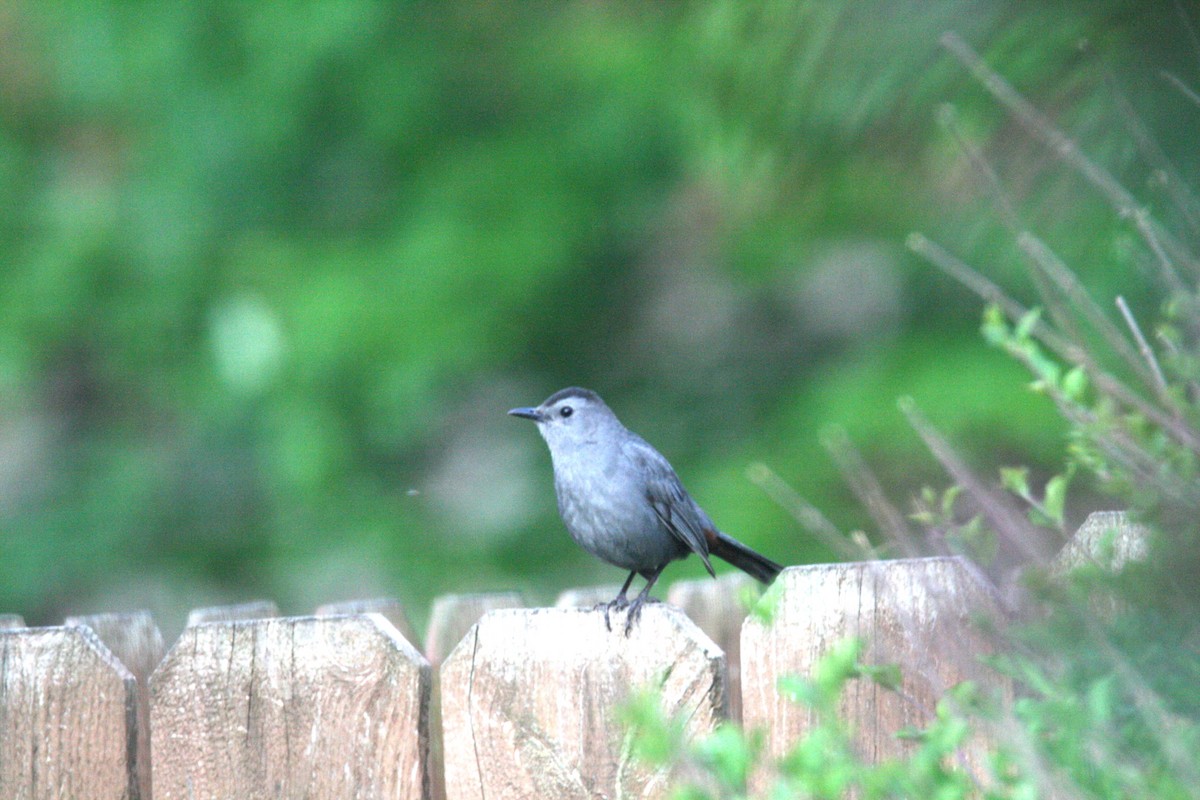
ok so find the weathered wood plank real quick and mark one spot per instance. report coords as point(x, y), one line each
point(450, 618)
point(68, 724)
point(321, 707)
point(531, 698)
point(137, 643)
point(915, 613)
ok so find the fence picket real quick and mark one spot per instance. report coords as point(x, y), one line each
point(452, 615)
point(138, 644)
point(329, 707)
point(531, 699)
point(67, 717)
point(916, 613)
point(1109, 539)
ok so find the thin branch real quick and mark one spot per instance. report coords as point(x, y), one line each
point(1184, 18)
point(1062, 145)
point(1173, 349)
point(805, 513)
point(1038, 124)
point(987, 291)
point(1046, 260)
point(1159, 721)
point(948, 117)
point(1063, 348)
point(1176, 188)
point(1145, 226)
point(1180, 431)
point(1008, 523)
point(1160, 382)
point(869, 491)
point(1184, 89)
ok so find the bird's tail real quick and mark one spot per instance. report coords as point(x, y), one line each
point(754, 564)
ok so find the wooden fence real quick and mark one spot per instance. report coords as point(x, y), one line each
point(502, 702)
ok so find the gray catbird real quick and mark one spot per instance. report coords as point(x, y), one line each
point(622, 502)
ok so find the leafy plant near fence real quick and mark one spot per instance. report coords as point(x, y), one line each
point(1105, 662)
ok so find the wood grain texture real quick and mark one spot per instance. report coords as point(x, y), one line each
point(67, 717)
point(916, 613)
point(716, 606)
point(255, 609)
point(307, 707)
point(531, 699)
point(391, 609)
point(450, 618)
point(452, 615)
point(137, 643)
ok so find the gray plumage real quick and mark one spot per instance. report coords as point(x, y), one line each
point(620, 499)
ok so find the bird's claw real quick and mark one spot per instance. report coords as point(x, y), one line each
point(620, 602)
point(635, 612)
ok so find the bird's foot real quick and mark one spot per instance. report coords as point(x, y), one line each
point(619, 602)
point(635, 611)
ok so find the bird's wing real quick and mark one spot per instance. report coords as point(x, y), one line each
point(672, 504)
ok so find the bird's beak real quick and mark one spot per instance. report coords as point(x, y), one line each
point(527, 413)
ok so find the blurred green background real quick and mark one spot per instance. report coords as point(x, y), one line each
point(273, 272)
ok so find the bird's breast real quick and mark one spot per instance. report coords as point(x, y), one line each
point(606, 511)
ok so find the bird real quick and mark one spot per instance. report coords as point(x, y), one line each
point(621, 500)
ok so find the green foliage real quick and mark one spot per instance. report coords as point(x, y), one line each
point(824, 763)
point(1085, 729)
point(1104, 660)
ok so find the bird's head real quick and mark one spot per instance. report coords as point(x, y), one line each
point(571, 416)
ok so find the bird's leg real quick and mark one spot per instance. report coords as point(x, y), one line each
point(635, 608)
point(618, 602)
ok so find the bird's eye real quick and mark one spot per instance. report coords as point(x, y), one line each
point(566, 412)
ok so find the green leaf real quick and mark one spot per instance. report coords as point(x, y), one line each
point(1101, 699)
point(948, 500)
point(1027, 323)
point(765, 607)
point(798, 690)
point(995, 326)
point(1075, 384)
point(1015, 480)
point(1056, 497)
point(728, 753)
